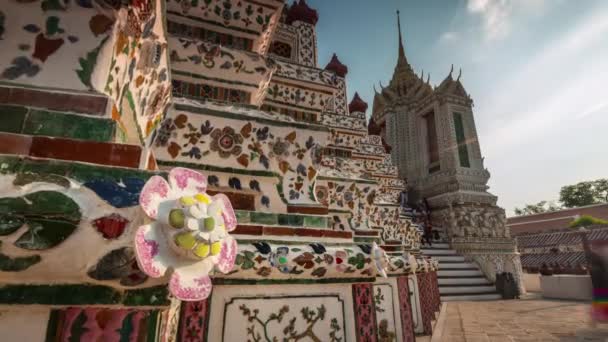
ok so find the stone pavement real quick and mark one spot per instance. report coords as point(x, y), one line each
point(519, 320)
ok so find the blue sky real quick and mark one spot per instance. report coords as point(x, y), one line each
point(536, 69)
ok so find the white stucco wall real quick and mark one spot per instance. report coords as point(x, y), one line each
point(23, 324)
point(565, 286)
point(531, 282)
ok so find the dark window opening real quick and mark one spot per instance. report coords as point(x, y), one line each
point(208, 92)
point(432, 144)
point(200, 33)
point(295, 114)
point(463, 152)
point(281, 49)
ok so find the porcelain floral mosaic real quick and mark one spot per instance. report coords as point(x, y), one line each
point(189, 233)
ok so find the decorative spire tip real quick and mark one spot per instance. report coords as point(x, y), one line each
point(401, 49)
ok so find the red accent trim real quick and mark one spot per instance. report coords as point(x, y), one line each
point(357, 104)
point(299, 11)
point(365, 313)
point(67, 149)
point(405, 310)
point(194, 321)
point(336, 66)
point(316, 210)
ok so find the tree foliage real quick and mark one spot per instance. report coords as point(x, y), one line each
point(538, 208)
point(586, 221)
point(584, 193)
point(571, 196)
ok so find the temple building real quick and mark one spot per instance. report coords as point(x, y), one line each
point(181, 170)
point(431, 134)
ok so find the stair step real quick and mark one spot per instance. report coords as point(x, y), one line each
point(463, 281)
point(458, 273)
point(466, 289)
point(438, 246)
point(451, 298)
point(457, 265)
point(428, 249)
point(466, 285)
point(451, 268)
point(432, 252)
point(450, 262)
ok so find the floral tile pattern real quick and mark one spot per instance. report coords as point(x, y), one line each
point(312, 261)
point(286, 152)
point(285, 318)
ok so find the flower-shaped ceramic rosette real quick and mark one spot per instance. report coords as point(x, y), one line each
point(188, 234)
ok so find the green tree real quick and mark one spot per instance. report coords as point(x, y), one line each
point(586, 221)
point(584, 193)
point(538, 208)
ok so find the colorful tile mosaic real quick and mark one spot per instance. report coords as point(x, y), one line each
point(407, 325)
point(99, 324)
point(193, 324)
point(365, 315)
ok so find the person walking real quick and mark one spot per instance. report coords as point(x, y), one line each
point(428, 233)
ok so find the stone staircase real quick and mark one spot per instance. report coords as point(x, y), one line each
point(458, 279)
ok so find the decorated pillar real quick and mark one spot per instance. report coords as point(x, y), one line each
point(405, 310)
point(365, 316)
point(426, 301)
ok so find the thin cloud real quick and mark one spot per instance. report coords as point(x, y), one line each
point(449, 37)
point(572, 91)
point(497, 15)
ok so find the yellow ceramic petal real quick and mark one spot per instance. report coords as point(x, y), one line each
point(216, 248)
point(177, 218)
point(187, 200)
point(185, 240)
point(202, 198)
point(202, 250)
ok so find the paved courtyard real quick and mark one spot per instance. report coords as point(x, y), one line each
point(519, 320)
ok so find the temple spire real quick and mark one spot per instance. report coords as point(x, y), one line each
point(403, 69)
point(401, 49)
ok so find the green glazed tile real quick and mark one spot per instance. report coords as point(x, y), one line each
point(242, 216)
point(58, 294)
point(8, 264)
point(283, 219)
point(81, 294)
point(296, 220)
point(11, 118)
point(315, 221)
point(154, 296)
point(9, 164)
point(264, 218)
point(55, 124)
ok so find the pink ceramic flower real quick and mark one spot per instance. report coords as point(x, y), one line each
point(189, 233)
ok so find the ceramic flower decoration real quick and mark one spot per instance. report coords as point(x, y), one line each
point(380, 259)
point(188, 234)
